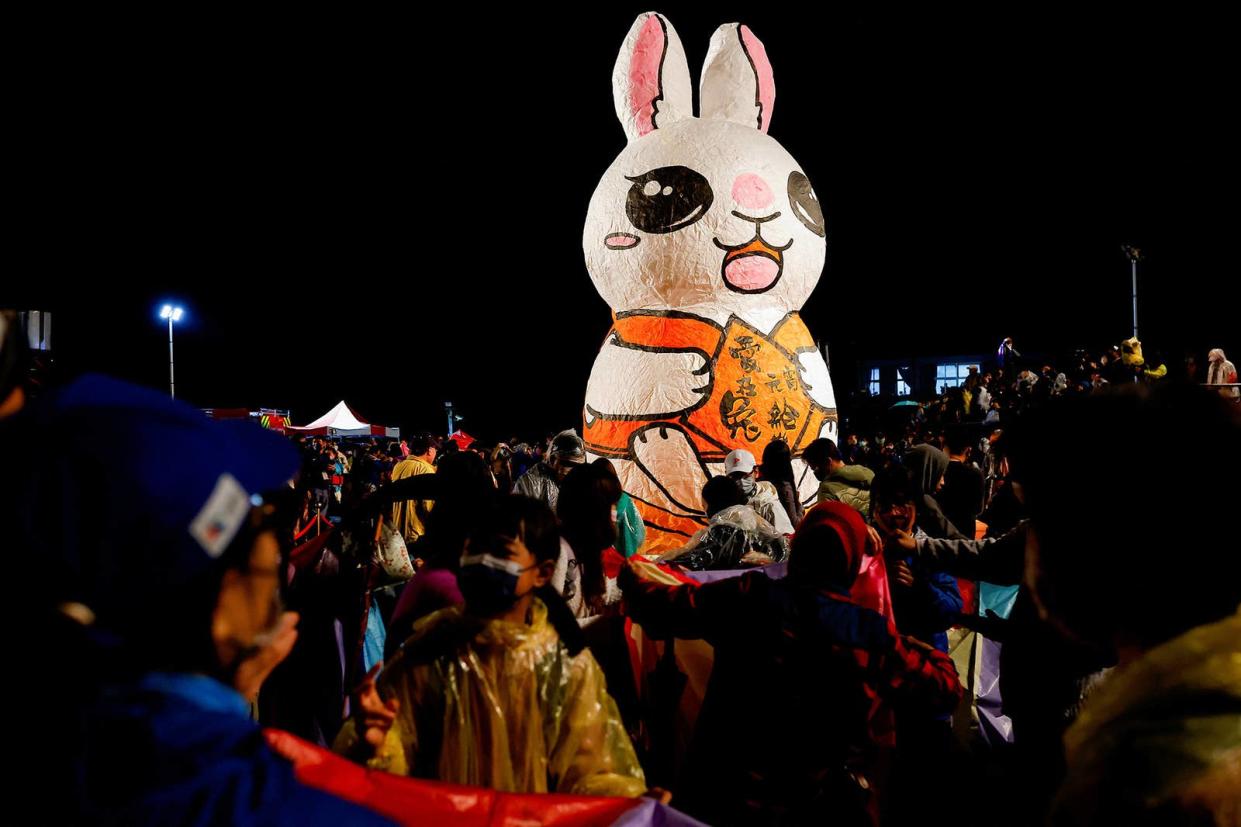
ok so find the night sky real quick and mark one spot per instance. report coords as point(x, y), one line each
point(388, 209)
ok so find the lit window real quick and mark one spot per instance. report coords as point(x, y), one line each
point(951, 376)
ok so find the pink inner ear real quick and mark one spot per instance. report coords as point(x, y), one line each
point(644, 81)
point(766, 80)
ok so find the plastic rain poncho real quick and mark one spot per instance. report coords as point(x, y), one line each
point(734, 537)
point(1158, 741)
point(502, 705)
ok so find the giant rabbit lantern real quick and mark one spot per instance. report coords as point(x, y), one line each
point(705, 237)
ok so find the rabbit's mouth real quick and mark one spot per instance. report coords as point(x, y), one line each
point(753, 267)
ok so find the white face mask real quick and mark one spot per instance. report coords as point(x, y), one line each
point(748, 485)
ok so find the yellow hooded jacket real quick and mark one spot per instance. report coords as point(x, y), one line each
point(502, 705)
point(407, 515)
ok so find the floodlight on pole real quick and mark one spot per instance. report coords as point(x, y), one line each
point(172, 313)
point(1134, 255)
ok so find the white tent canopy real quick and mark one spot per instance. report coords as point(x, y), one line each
point(340, 421)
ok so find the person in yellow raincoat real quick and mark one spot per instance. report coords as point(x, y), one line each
point(500, 693)
point(1161, 736)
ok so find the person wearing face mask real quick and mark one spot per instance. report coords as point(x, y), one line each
point(501, 692)
point(740, 466)
point(152, 532)
point(735, 535)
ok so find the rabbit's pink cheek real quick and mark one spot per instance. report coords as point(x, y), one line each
point(621, 241)
point(752, 193)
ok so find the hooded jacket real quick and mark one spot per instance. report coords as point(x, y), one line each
point(927, 464)
point(849, 484)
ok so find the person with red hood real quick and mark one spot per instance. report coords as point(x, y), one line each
point(800, 670)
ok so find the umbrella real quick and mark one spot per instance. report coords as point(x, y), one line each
point(906, 403)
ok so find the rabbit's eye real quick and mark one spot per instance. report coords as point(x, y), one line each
point(805, 203)
point(667, 199)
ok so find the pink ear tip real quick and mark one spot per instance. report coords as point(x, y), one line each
point(762, 69)
point(644, 66)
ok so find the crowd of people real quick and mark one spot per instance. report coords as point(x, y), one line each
point(443, 610)
point(1012, 383)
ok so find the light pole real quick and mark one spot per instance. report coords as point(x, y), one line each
point(1134, 255)
point(453, 419)
point(172, 314)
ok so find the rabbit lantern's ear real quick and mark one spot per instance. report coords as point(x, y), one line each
point(650, 82)
point(737, 83)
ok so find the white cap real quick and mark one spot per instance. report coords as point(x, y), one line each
point(739, 460)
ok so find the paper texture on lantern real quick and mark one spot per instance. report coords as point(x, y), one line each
point(705, 237)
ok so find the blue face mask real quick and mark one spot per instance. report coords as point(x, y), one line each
point(489, 583)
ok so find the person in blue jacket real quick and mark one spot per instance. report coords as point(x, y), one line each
point(148, 537)
point(926, 601)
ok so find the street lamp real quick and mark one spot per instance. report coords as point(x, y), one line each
point(1134, 255)
point(172, 314)
point(453, 419)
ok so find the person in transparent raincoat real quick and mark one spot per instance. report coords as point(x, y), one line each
point(499, 693)
point(735, 535)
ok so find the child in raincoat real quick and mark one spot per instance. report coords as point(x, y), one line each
point(499, 693)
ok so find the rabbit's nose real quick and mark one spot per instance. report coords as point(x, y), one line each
point(751, 191)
